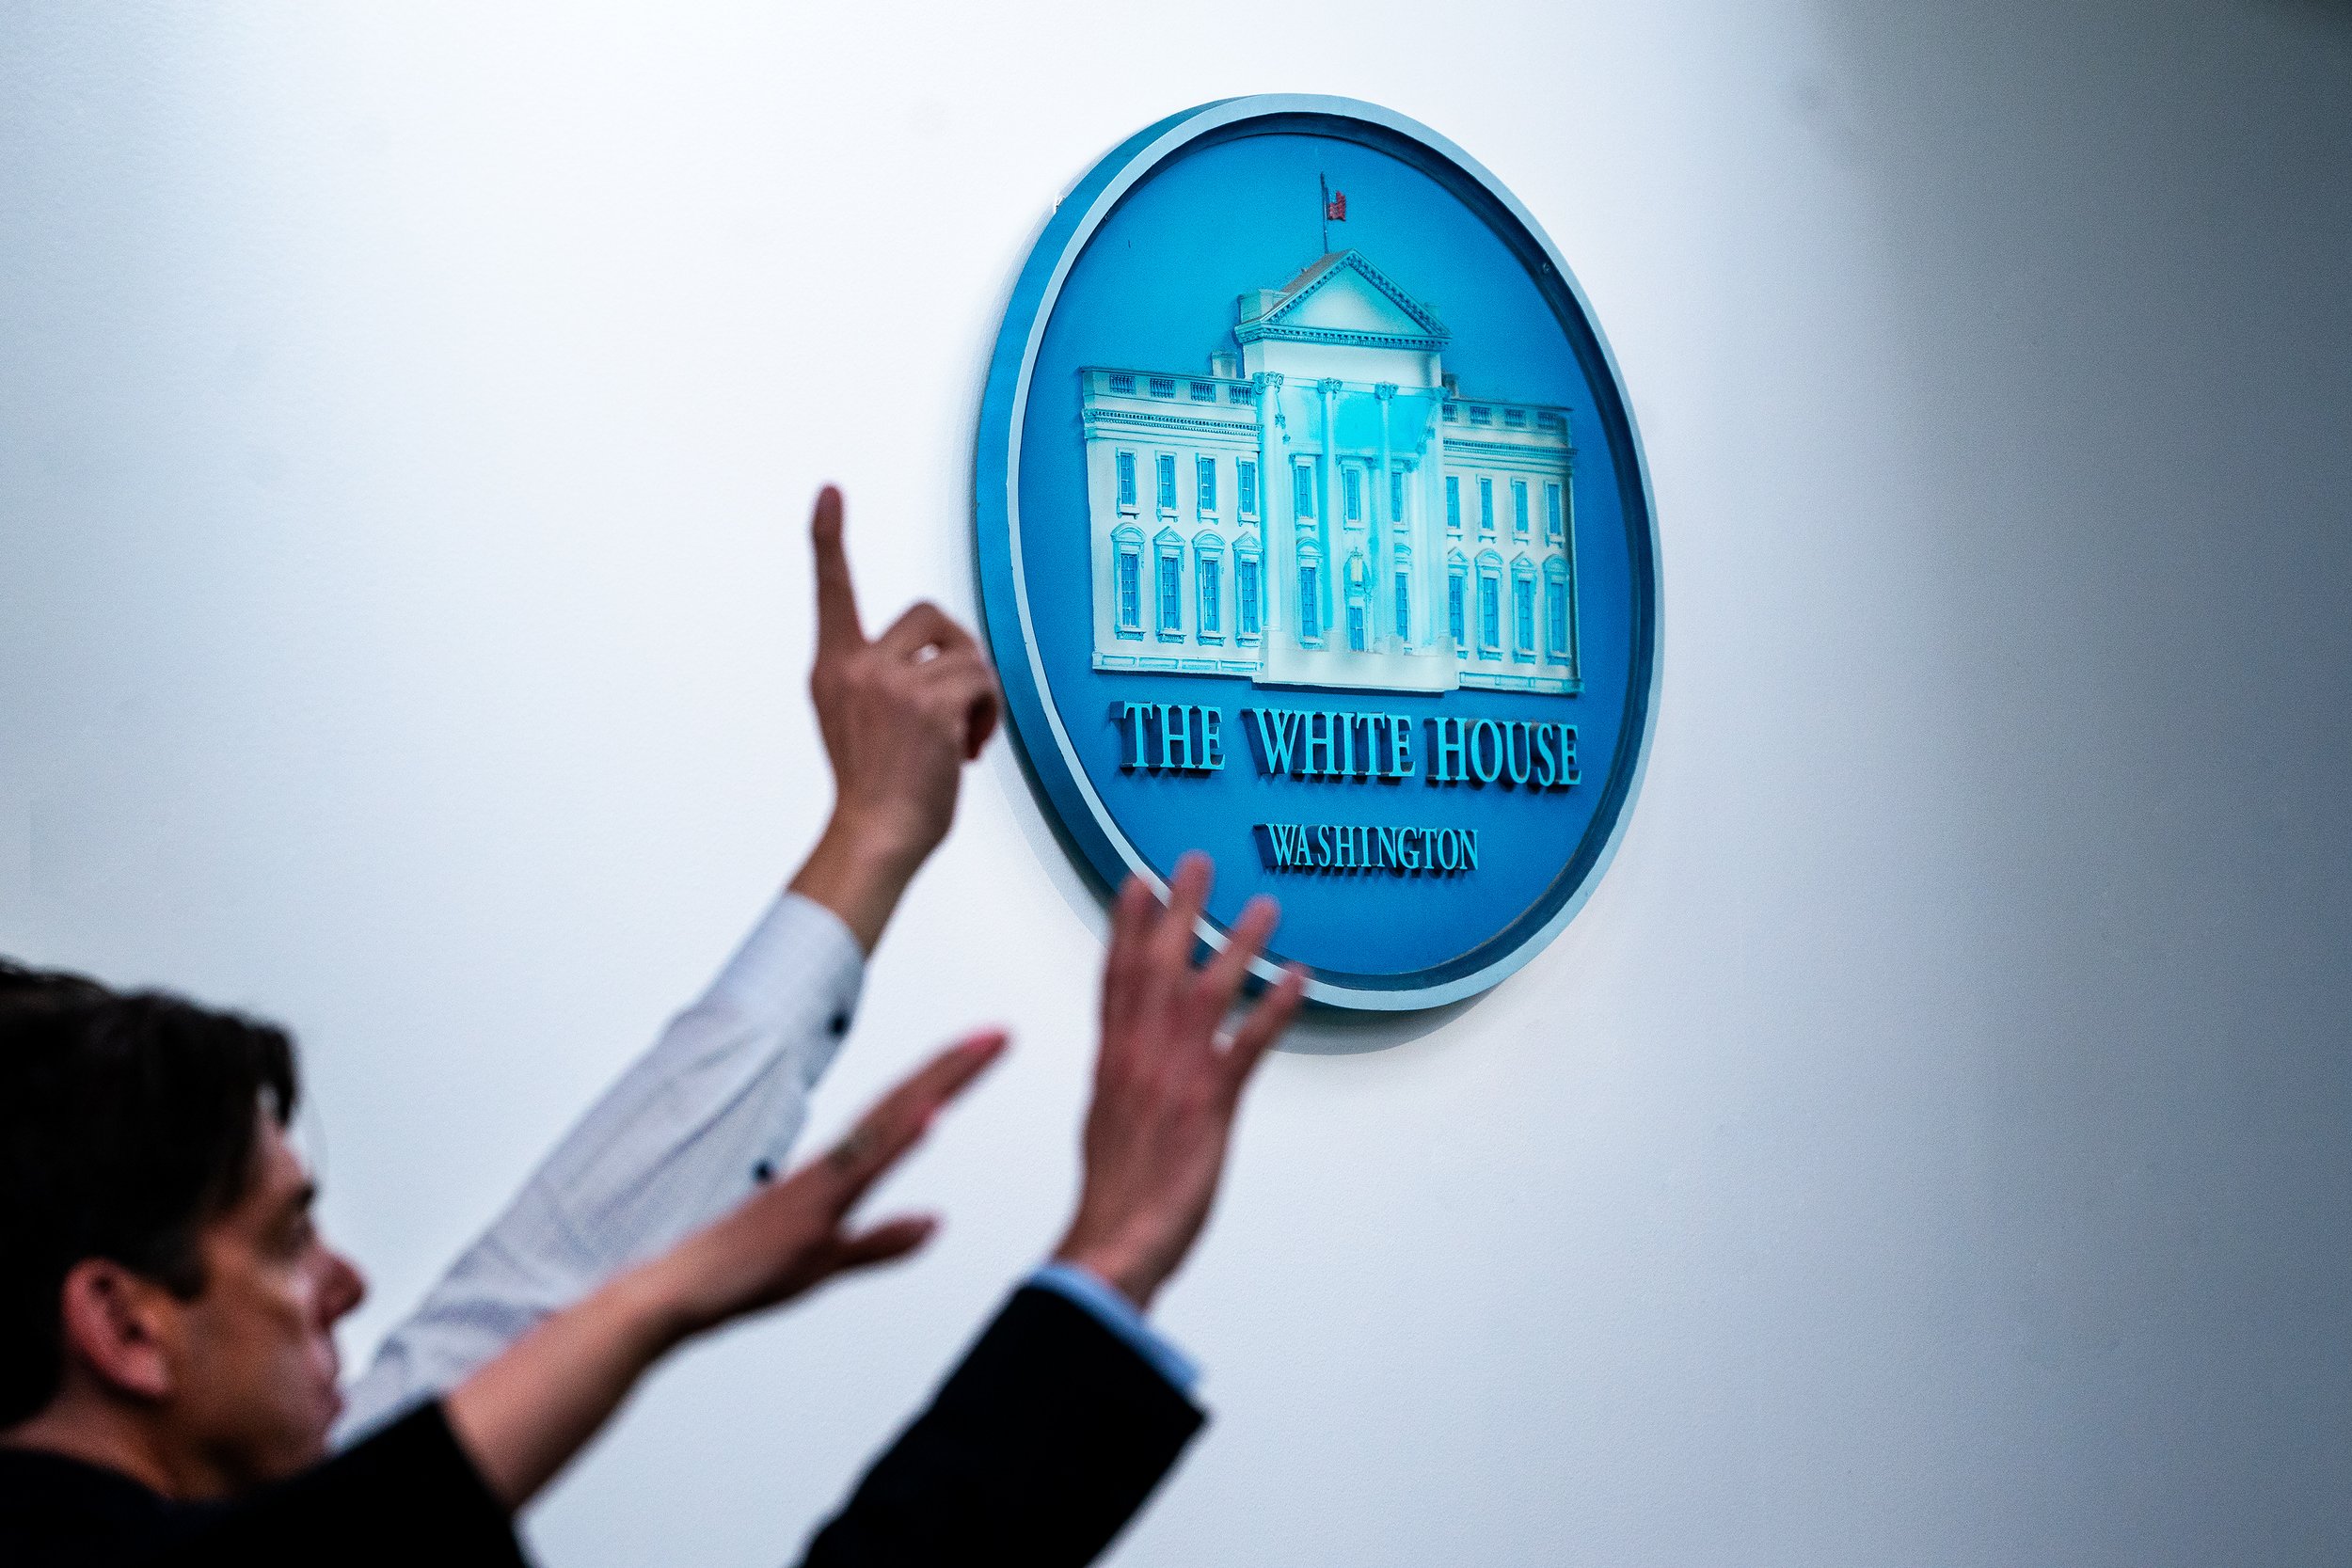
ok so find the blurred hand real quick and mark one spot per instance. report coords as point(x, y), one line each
point(526, 1412)
point(794, 1235)
point(901, 714)
point(1169, 1081)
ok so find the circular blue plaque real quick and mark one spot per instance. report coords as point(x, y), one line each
point(1314, 534)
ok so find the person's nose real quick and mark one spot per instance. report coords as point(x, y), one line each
point(346, 1288)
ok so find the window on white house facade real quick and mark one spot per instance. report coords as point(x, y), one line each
point(1310, 597)
point(1172, 586)
point(1129, 569)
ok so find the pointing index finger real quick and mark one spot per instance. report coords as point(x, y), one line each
point(838, 628)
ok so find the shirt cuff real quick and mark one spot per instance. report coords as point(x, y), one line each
point(801, 959)
point(1083, 1288)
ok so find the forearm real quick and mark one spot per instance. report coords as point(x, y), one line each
point(1040, 1445)
point(522, 1418)
point(687, 1132)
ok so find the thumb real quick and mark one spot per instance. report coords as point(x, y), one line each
point(881, 1244)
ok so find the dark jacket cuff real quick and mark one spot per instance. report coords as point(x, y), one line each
point(1037, 1450)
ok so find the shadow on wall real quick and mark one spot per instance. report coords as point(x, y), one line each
point(2133, 219)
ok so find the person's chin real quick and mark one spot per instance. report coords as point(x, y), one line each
point(308, 1445)
point(331, 1406)
point(301, 1456)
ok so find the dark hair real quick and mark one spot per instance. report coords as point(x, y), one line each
point(126, 1125)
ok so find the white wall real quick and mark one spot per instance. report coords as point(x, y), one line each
point(1928, 1147)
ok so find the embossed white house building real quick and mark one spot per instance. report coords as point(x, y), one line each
point(1328, 509)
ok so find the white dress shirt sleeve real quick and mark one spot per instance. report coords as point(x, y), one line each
point(686, 1134)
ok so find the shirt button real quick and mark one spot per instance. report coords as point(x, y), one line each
point(839, 1024)
point(764, 1172)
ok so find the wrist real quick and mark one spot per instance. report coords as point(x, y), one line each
point(884, 841)
point(1129, 1270)
point(653, 1307)
point(858, 870)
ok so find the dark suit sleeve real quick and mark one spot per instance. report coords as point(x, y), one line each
point(1037, 1451)
point(407, 1496)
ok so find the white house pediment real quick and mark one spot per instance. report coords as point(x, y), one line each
point(1346, 297)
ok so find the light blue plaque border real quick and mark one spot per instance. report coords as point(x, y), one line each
point(1079, 812)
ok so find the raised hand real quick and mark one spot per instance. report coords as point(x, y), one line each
point(794, 1235)
point(900, 714)
point(526, 1413)
point(1169, 1079)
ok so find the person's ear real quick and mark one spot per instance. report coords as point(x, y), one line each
point(122, 1327)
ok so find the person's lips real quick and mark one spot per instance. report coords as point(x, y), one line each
point(331, 1369)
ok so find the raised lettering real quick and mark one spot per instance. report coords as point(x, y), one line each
point(1175, 736)
point(1278, 736)
point(1319, 738)
point(1487, 731)
point(1445, 751)
point(1129, 716)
